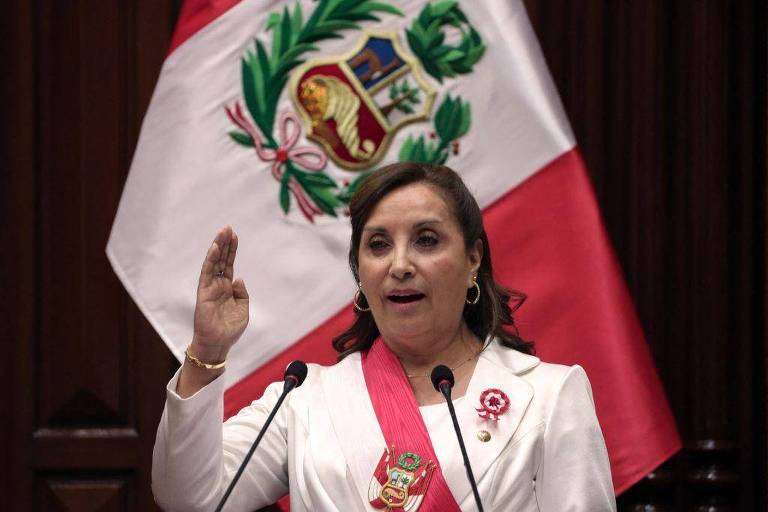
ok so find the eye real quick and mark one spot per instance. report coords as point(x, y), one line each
point(427, 239)
point(377, 243)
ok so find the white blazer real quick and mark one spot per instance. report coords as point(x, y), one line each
point(546, 453)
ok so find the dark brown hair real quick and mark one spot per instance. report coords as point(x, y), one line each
point(491, 313)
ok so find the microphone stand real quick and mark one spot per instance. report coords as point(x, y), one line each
point(444, 385)
point(291, 381)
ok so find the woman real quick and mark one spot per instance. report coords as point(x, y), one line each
point(371, 432)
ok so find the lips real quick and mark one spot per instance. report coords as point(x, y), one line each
point(405, 296)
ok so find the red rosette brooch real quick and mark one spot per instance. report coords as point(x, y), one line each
point(493, 403)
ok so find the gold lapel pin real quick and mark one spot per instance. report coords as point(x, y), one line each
point(484, 436)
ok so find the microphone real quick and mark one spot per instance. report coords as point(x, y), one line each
point(442, 380)
point(293, 377)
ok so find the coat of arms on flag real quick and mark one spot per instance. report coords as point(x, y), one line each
point(351, 104)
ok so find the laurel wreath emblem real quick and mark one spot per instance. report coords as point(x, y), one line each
point(426, 38)
point(414, 459)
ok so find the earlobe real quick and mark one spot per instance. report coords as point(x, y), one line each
point(476, 257)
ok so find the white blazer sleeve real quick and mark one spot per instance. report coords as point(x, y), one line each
point(574, 474)
point(196, 456)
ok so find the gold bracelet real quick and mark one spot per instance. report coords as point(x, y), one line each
point(207, 366)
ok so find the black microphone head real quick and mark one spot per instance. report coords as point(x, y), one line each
point(440, 375)
point(296, 371)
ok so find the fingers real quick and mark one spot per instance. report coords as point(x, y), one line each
point(229, 269)
point(239, 291)
point(226, 241)
point(216, 258)
point(223, 239)
point(209, 265)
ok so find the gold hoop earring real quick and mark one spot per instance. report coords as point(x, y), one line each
point(477, 297)
point(358, 293)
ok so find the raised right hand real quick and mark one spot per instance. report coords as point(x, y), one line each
point(221, 310)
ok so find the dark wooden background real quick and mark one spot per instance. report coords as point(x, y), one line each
point(668, 102)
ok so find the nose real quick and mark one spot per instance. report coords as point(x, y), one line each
point(401, 267)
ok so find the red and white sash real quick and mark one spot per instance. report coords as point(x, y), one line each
point(401, 422)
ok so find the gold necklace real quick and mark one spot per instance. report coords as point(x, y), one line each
point(452, 368)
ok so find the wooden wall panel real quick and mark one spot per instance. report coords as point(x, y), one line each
point(667, 100)
point(17, 212)
point(82, 120)
point(86, 495)
point(87, 370)
point(668, 103)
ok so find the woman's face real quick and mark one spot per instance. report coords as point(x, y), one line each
point(413, 264)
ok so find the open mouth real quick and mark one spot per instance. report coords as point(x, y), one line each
point(405, 299)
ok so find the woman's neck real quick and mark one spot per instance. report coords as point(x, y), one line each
point(419, 357)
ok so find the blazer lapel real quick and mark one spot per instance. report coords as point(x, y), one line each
point(354, 421)
point(496, 368)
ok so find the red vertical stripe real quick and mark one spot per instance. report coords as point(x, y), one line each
point(548, 240)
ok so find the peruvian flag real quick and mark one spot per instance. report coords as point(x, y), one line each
point(267, 112)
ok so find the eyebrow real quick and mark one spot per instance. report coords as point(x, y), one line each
point(381, 229)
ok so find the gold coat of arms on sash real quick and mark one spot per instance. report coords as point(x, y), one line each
point(399, 485)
